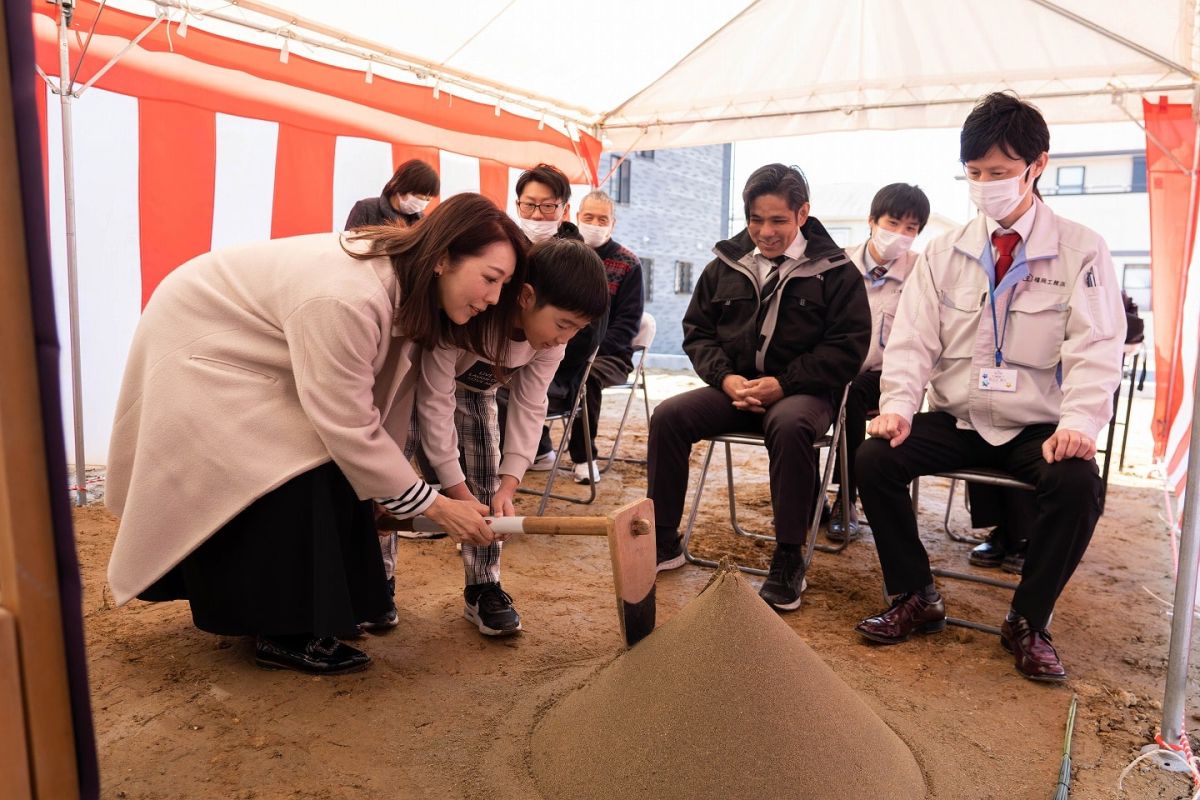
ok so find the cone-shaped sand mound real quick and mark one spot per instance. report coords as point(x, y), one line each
point(724, 701)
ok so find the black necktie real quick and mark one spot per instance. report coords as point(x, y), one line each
point(772, 282)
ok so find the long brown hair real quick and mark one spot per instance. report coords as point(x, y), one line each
point(461, 226)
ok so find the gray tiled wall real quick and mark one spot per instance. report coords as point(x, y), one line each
point(678, 208)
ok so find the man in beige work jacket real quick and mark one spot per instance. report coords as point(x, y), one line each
point(1015, 324)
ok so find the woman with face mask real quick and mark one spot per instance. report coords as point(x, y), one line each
point(265, 405)
point(403, 200)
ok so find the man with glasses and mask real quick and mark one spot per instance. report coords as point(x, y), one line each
point(543, 208)
point(1014, 322)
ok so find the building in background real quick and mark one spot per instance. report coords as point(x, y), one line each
point(672, 207)
point(1106, 190)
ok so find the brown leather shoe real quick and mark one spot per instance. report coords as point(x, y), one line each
point(1036, 658)
point(909, 614)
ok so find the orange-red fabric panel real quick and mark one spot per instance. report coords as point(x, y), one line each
point(493, 181)
point(1170, 191)
point(408, 100)
point(176, 176)
point(303, 182)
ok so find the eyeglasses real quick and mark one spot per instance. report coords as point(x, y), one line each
point(546, 208)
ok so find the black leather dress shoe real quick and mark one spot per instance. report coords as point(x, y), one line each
point(839, 529)
point(326, 656)
point(1034, 656)
point(910, 613)
point(991, 553)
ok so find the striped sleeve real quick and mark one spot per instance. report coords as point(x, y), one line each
point(419, 497)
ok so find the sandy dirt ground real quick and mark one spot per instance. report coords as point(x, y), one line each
point(445, 713)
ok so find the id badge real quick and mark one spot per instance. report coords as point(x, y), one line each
point(995, 379)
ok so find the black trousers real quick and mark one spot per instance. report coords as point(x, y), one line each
point(862, 399)
point(1013, 511)
point(791, 425)
point(606, 371)
point(1067, 498)
point(302, 559)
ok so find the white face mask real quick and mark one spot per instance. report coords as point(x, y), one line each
point(997, 199)
point(595, 235)
point(410, 204)
point(890, 245)
point(538, 230)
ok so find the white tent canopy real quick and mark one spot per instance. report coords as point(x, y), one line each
point(665, 74)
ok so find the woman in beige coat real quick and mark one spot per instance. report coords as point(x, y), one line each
point(265, 405)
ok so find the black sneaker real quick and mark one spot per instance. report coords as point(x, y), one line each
point(324, 656)
point(785, 580)
point(670, 555)
point(388, 619)
point(490, 608)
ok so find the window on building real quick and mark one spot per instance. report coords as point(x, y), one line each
point(648, 279)
point(1135, 280)
point(683, 277)
point(646, 154)
point(1070, 180)
point(841, 236)
point(619, 184)
point(1137, 182)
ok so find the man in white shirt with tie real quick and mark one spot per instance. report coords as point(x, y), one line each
point(1015, 324)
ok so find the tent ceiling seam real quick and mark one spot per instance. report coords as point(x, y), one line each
point(606, 115)
point(475, 35)
point(1116, 37)
point(1107, 90)
point(345, 43)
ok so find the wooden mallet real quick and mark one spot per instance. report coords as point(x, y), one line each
point(630, 533)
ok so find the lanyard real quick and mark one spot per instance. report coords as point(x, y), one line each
point(998, 332)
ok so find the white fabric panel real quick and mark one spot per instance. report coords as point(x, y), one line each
point(513, 175)
point(109, 265)
point(458, 173)
point(360, 169)
point(245, 180)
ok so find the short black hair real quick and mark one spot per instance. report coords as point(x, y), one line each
point(900, 200)
point(568, 274)
point(413, 177)
point(787, 182)
point(1006, 121)
point(547, 175)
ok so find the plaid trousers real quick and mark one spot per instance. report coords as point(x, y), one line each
point(478, 427)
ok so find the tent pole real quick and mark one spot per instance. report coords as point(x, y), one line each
point(1178, 657)
point(64, 95)
point(1185, 590)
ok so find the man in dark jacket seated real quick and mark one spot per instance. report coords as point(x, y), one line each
point(778, 324)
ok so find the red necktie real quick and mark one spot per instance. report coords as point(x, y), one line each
point(1005, 244)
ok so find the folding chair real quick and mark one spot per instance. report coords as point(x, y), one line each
point(836, 437)
point(991, 477)
point(641, 346)
point(567, 418)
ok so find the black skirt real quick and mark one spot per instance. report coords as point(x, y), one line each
point(302, 559)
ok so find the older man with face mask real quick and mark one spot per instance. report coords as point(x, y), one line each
point(614, 360)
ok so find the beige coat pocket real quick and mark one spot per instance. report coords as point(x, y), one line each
point(231, 369)
point(1037, 326)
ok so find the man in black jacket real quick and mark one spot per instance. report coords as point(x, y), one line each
point(778, 324)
